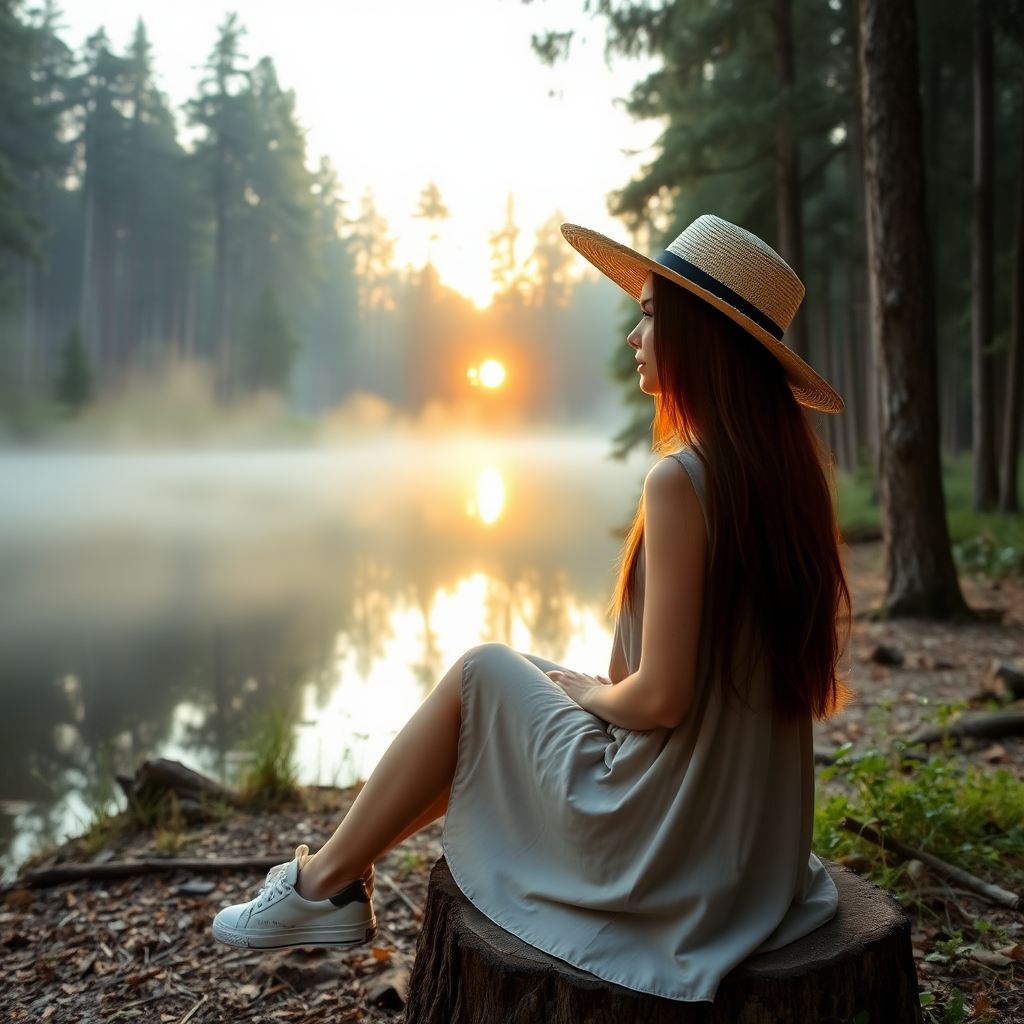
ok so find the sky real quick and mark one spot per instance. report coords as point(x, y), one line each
point(401, 92)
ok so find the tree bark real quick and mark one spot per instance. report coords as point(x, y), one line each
point(920, 577)
point(467, 969)
point(985, 482)
point(1015, 354)
point(221, 337)
point(787, 169)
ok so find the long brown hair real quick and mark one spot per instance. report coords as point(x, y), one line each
point(774, 543)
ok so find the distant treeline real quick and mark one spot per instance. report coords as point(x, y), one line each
point(761, 103)
point(124, 248)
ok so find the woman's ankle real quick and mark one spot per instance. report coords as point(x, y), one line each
point(316, 881)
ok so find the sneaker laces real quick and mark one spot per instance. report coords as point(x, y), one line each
point(275, 884)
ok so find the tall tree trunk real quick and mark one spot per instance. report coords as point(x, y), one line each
point(29, 358)
point(132, 312)
point(860, 373)
point(1015, 354)
point(920, 576)
point(221, 339)
point(985, 481)
point(787, 169)
point(87, 297)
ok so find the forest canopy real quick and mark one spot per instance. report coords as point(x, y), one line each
point(135, 236)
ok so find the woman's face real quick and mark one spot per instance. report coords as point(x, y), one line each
point(641, 338)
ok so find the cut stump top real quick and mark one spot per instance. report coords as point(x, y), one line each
point(468, 969)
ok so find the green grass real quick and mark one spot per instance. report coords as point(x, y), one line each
point(269, 775)
point(989, 543)
point(969, 816)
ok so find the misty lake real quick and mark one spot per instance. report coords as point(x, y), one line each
point(150, 603)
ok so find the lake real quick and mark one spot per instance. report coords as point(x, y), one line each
point(151, 603)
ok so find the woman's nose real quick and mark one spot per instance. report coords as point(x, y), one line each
point(633, 338)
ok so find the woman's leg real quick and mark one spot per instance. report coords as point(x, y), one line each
point(407, 790)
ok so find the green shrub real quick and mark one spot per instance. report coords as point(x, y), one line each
point(969, 816)
point(269, 774)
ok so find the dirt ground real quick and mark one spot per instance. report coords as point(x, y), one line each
point(141, 948)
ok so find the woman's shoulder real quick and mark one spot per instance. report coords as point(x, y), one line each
point(677, 476)
point(669, 490)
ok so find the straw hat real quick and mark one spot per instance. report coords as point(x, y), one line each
point(733, 270)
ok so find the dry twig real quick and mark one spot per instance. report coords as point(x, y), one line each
point(994, 893)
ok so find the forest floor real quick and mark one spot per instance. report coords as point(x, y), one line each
point(141, 947)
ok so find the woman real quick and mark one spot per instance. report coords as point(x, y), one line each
point(652, 827)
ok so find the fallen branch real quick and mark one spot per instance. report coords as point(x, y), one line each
point(994, 893)
point(151, 866)
point(827, 758)
point(417, 910)
point(982, 727)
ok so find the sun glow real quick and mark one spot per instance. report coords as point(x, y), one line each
point(490, 494)
point(491, 374)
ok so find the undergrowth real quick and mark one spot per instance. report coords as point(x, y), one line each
point(969, 816)
point(269, 774)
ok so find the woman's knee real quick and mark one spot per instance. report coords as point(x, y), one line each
point(484, 658)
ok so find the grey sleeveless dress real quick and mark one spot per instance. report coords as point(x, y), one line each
point(655, 860)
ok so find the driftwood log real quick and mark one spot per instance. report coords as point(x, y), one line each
point(980, 727)
point(58, 874)
point(164, 789)
point(470, 971)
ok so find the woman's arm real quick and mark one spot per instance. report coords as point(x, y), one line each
point(660, 692)
point(617, 667)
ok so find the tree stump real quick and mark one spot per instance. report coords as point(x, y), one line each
point(470, 971)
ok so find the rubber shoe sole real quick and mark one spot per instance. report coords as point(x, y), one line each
point(347, 935)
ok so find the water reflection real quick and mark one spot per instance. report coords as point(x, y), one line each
point(490, 494)
point(149, 602)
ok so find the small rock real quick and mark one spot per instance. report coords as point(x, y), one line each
point(885, 655)
point(304, 968)
point(389, 989)
point(917, 871)
point(994, 753)
point(19, 898)
point(990, 959)
point(195, 887)
point(856, 862)
point(1004, 678)
point(103, 856)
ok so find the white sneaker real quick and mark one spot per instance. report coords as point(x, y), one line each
point(279, 916)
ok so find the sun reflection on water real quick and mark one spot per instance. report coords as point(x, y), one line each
point(347, 727)
point(490, 494)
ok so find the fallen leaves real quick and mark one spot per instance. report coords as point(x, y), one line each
point(141, 948)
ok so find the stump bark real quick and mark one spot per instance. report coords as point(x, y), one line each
point(470, 971)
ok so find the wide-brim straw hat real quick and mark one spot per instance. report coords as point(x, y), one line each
point(733, 270)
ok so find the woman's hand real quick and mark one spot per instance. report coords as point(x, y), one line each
point(578, 685)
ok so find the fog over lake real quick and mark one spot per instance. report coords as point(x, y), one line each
point(149, 602)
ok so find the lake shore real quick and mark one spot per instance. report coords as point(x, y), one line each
point(141, 947)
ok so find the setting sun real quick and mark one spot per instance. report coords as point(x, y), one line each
point(491, 374)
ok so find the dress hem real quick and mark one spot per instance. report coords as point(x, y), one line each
point(542, 945)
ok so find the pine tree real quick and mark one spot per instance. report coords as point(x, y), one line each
point(920, 577)
point(431, 207)
point(73, 386)
point(33, 77)
point(268, 346)
point(504, 267)
point(221, 109)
